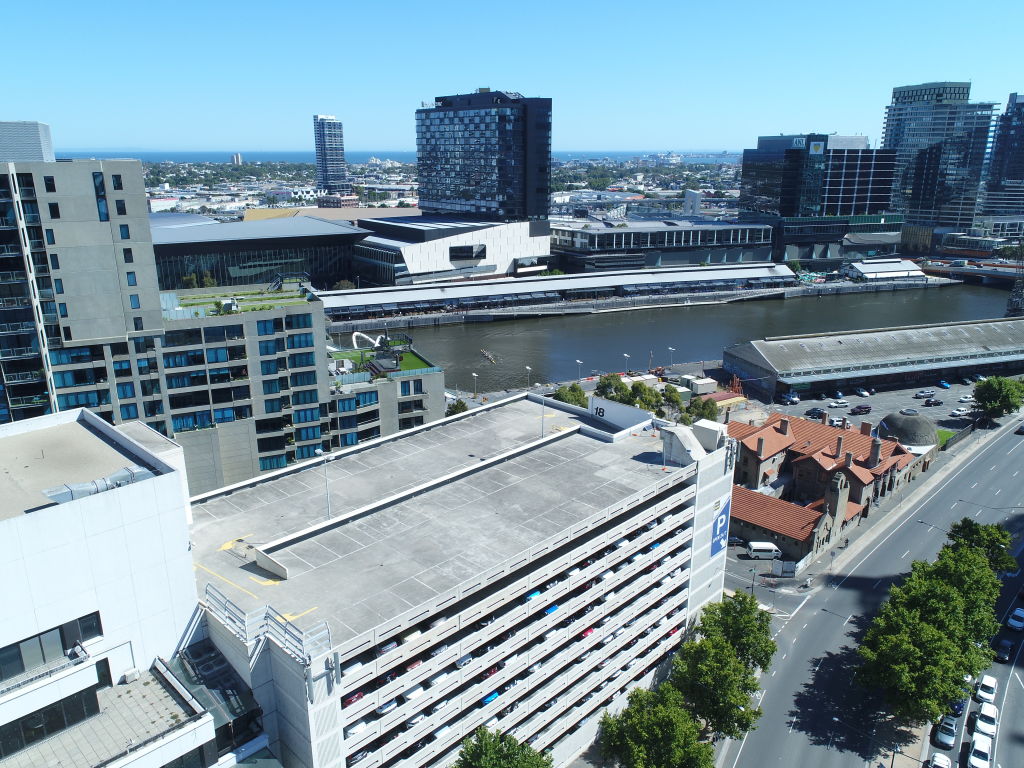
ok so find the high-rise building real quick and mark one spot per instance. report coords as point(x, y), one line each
point(816, 174)
point(25, 140)
point(941, 141)
point(1004, 193)
point(485, 155)
point(236, 159)
point(243, 383)
point(329, 139)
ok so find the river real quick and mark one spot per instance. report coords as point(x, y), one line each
point(551, 346)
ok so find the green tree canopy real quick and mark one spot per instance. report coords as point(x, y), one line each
point(672, 397)
point(343, 285)
point(717, 686)
point(992, 539)
point(742, 624)
point(488, 749)
point(572, 394)
point(459, 406)
point(655, 731)
point(998, 396)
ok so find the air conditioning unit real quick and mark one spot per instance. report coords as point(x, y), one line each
point(131, 675)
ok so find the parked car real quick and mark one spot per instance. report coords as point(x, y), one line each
point(980, 755)
point(957, 707)
point(737, 541)
point(978, 377)
point(1016, 620)
point(925, 393)
point(386, 707)
point(908, 411)
point(814, 413)
point(387, 648)
point(985, 689)
point(959, 412)
point(943, 383)
point(860, 410)
point(861, 392)
point(932, 401)
point(1004, 650)
point(348, 701)
point(939, 760)
point(839, 404)
point(966, 399)
point(986, 719)
point(967, 381)
point(945, 733)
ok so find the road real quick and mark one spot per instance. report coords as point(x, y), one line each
point(810, 682)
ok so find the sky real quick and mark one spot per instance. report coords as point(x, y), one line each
point(646, 76)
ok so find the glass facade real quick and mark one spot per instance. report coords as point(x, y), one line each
point(329, 140)
point(1004, 195)
point(485, 155)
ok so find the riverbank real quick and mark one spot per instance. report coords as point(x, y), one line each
point(627, 304)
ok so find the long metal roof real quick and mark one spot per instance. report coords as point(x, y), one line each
point(906, 348)
point(266, 229)
point(523, 285)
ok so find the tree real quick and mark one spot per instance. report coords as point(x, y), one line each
point(998, 396)
point(489, 749)
point(189, 281)
point(717, 686)
point(794, 265)
point(611, 387)
point(459, 406)
point(672, 397)
point(655, 731)
point(343, 285)
point(742, 624)
point(207, 280)
point(992, 539)
point(572, 394)
point(645, 397)
point(967, 569)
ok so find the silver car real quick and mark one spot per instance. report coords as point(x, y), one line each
point(945, 733)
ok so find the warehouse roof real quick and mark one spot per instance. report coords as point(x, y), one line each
point(296, 226)
point(810, 357)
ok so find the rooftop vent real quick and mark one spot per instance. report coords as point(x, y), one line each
point(72, 491)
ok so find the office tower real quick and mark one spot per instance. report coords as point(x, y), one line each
point(485, 155)
point(329, 139)
point(236, 159)
point(816, 175)
point(1004, 194)
point(243, 384)
point(941, 140)
point(25, 140)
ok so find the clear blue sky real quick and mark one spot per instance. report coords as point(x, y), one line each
point(647, 75)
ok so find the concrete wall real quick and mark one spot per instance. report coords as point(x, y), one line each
point(505, 243)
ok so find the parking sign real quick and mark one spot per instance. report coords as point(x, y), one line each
point(720, 530)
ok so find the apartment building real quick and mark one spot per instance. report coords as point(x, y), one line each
point(520, 566)
point(94, 540)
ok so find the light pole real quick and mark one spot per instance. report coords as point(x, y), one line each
point(936, 527)
point(753, 573)
point(627, 361)
point(671, 355)
point(474, 385)
point(528, 369)
point(579, 370)
point(327, 487)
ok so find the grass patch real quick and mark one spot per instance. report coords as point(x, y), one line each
point(944, 435)
point(411, 361)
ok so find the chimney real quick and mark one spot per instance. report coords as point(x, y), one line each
point(849, 458)
point(866, 427)
point(784, 426)
point(876, 453)
point(846, 423)
point(839, 446)
point(760, 447)
point(824, 419)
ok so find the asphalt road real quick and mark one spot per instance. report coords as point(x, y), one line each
point(810, 682)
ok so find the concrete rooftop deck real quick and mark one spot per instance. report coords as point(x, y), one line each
point(375, 567)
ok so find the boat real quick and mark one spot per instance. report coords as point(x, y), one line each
point(488, 356)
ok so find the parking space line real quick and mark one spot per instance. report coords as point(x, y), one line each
point(904, 554)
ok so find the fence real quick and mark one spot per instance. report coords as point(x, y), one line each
point(963, 433)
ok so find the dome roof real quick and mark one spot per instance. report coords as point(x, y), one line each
point(909, 430)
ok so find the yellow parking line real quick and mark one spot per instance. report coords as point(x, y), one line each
point(294, 616)
point(229, 544)
point(229, 581)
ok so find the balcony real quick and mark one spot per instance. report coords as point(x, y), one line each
point(45, 293)
point(37, 245)
point(17, 353)
point(32, 218)
point(8, 223)
point(29, 401)
point(11, 302)
point(9, 250)
point(50, 318)
point(26, 377)
point(27, 193)
point(17, 328)
point(54, 342)
point(74, 657)
point(13, 277)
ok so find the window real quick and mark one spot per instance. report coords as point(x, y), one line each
point(301, 360)
point(308, 433)
point(153, 408)
point(303, 379)
point(271, 346)
point(304, 397)
point(126, 390)
point(58, 285)
point(366, 398)
point(346, 404)
point(417, 386)
point(217, 355)
point(265, 327)
point(100, 190)
point(115, 181)
point(137, 323)
point(122, 368)
point(273, 462)
point(54, 261)
point(300, 340)
point(303, 415)
point(305, 451)
point(221, 415)
point(48, 184)
point(273, 405)
point(131, 278)
point(50, 240)
point(268, 367)
point(291, 322)
point(406, 388)
point(128, 257)
point(182, 359)
point(67, 333)
point(62, 309)
point(271, 387)
point(54, 210)
point(120, 208)
point(125, 232)
point(130, 411)
point(133, 300)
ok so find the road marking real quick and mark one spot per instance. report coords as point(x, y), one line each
point(875, 585)
point(998, 490)
point(978, 513)
point(265, 582)
point(1018, 471)
point(229, 544)
point(847, 619)
point(804, 627)
point(294, 616)
point(904, 554)
point(226, 580)
point(817, 665)
point(954, 504)
point(992, 467)
point(1019, 680)
point(975, 485)
point(773, 673)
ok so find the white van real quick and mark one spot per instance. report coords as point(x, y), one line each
point(762, 550)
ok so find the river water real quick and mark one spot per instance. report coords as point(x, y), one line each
point(551, 346)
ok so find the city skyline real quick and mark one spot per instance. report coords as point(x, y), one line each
point(658, 88)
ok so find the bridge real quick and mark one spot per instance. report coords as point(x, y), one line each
point(980, 272)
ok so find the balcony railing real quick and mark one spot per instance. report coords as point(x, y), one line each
point(50, 317)
point(32, 218)
point(74, 658)
point(13, 277)
point(17, 327)
point(12, 353)
point(14, 301)
point(46, 293)
point(28, 401)
point(27, 192)
point(6, 223)
point(25, 377)
point(37, 245)
point(54, 342)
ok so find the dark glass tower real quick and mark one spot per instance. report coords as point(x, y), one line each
point(816, 174)
point(485, 155)
point(1005, 193)
point(331, 169)
point(941, 140)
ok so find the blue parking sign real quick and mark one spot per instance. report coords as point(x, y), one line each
point(720, 530)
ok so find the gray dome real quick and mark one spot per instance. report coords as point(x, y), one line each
point(909, 430)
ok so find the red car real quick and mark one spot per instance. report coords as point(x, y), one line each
point(413, 664)
point(488, 673)
point(352, 699)
point(586, 633)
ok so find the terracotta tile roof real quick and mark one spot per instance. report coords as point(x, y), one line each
point(782, 517)
point(774, 440)
point(852, 508)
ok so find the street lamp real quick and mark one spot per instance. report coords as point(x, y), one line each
point(753, 573)
point(327, 487)
point(671, 355)
point(627, 361)
point(936, 527)
point(528, 369)
point(474, 385)
point(579, 370)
